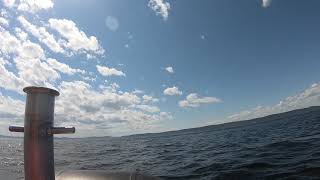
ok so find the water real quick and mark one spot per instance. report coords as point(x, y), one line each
point(276, 147)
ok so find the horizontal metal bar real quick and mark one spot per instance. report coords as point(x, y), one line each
point(60, 130)
point(16, 129)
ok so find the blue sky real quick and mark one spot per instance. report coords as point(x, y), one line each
point(126, 67)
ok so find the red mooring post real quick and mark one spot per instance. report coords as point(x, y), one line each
point(38, 133)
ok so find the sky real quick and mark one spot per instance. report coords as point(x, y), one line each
point(128, 67)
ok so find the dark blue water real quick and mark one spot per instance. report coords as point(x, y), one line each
point(285, 146)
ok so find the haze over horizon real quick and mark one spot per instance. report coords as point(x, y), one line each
point(129, 67)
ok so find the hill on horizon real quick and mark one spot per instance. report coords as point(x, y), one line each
point(298, 113)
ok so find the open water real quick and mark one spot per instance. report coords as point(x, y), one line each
point(284, 146)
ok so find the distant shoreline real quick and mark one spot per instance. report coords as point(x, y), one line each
point(260, 119)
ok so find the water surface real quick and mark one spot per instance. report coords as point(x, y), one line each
point(275, 147)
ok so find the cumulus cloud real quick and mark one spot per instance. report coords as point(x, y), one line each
point(309, 97)
point(193, 100)
point(266, 3)
point(36, 72)
point(62, 67)
point(21, 35)
point(4, 22)
point(137, 91)
point(28, 58)
point(113, 87)
point(148, 108)
point(171, 91)
point(29, 50)
point(112, 23)
point(80, 104)
point(16, 107)
point(170, 69)
point(106, 71)
point(75, 39)
point(35, 5)
point(147, 98)
point(160, 7)
point(26, 49)
point(9, 80)
point(42, 34)
point(31, 6)
point(9, 44)
point(11, 112)
point(8, 3)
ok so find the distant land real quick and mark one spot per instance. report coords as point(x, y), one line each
point(298, 113)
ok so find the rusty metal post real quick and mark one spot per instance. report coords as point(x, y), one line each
point(38, 133)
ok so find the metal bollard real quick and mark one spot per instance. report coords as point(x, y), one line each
point(38, 133)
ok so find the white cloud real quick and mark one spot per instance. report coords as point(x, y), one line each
point(35, 5)
point(8, 3)
point(36, 72)
point(27, 57)
point(112, 23)
point(10, 81)
point(113, 87)
point(171, 91)
point(309, 97)
point(64, 68)
point(23, 36)
point(94, 100)
point(193, 100)
point(31, 6)
point(94, 110)
point(148, 108)
point(137, 91)
point(106, 71)
point(4, 13)
point(266, 3)
point(11, 107)
point(29, 50)
point(82, 106)
point(11, 112)
point(147, 98)
point(87, 78)
point(170, 69)
point(42, 34)
point(76, 40)
point(8, 43)
point(160, 7)
point(4, 21)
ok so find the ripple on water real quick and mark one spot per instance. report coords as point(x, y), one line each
point(273, 149)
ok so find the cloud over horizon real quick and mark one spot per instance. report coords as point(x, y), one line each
point(309, 97)
point(194, 100)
